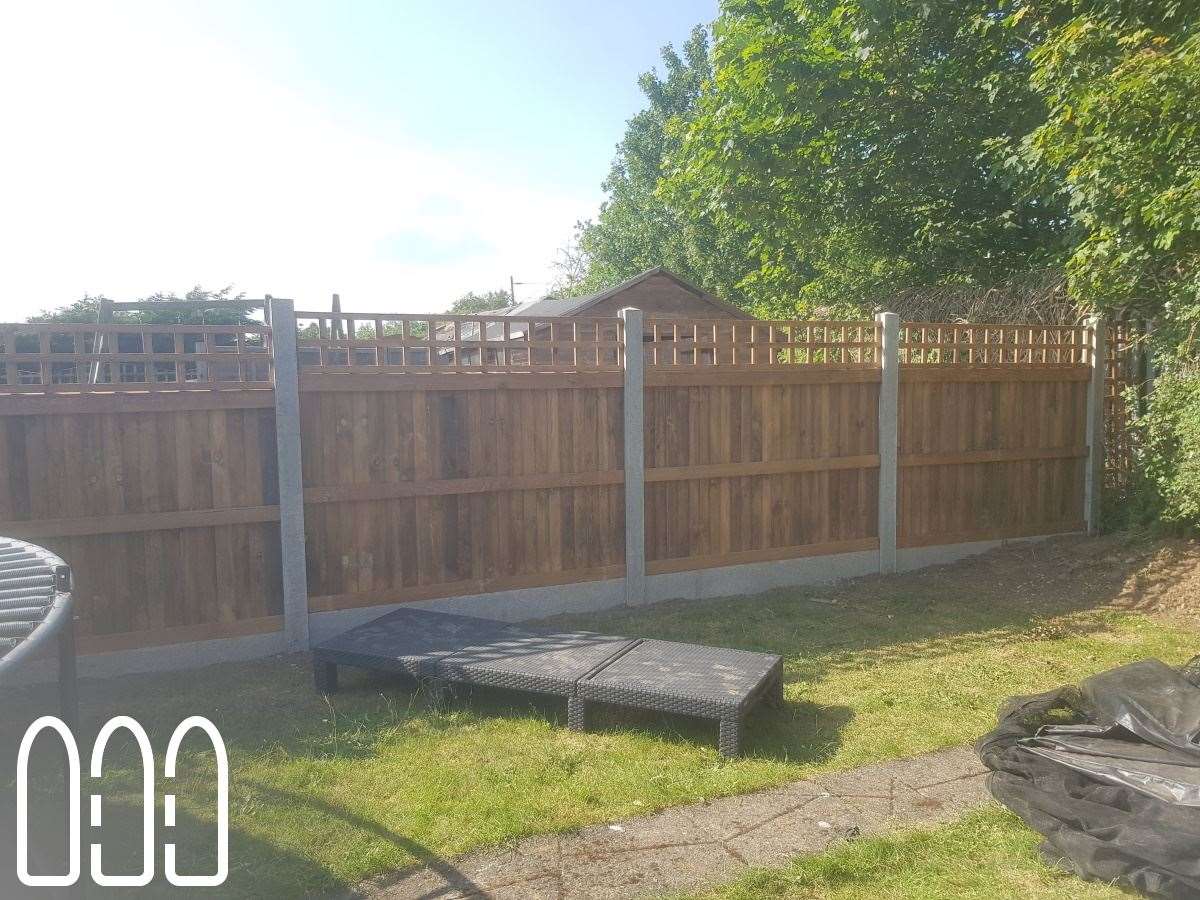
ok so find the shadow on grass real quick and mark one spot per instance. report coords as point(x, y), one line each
point(258, 868)
point(454, 880)
point(799, 732)
point(1010, 596)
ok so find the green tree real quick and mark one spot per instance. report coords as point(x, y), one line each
point(850, 143)
point(571, 264)
point(639, 228)
point(1121, 143)
point(489, 301)
point(222, 313)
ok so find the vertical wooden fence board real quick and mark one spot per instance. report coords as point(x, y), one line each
point(416, 493)
point(1036, 488)
point(700, 519)
point(88, 473)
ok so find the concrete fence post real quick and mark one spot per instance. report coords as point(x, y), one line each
point(633, 365)
point(1093, 476)
point(889, 436)
point(291, 480)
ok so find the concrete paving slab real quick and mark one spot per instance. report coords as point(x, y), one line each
point(640, 872)
point(812, 828)
point(700, 844)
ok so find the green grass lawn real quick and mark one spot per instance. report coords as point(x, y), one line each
point(988, 855)
point(327, 793)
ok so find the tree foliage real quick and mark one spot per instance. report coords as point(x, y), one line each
point(638, 227)
point(571, 266)
point(1168, 475)
point(1121, 144)
point(228, 309)
point(829, 153)
point(489, 301)
point(852, 144)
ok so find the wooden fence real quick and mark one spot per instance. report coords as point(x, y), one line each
point(992, 436)
point(445, 456)
point(152, 471)
point(761, 441)
point(458, 455)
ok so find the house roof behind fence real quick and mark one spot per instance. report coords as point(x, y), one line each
point(574, 306)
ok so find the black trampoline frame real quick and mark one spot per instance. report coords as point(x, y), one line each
point(56, 622)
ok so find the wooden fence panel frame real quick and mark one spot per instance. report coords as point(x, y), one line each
point(603, 460)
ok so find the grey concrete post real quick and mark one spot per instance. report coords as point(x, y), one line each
point(633, 363)
point(889, 436)
point(1093, 476)
point(291, 480)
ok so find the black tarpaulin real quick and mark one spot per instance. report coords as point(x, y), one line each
point(1108, 772)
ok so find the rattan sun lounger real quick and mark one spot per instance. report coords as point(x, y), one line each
point(689, 679)
point(441, 649)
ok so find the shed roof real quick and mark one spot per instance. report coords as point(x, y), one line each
point(574, 306)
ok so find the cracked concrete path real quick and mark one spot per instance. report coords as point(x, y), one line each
point(688, 847)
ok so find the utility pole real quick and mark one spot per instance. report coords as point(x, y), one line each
point(512, 289)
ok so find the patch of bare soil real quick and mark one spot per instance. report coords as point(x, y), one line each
point(1158, 577)
point(1166, 580)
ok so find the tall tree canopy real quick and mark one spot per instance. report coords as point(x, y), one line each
point(851, 142)
point(830, 153)
point(1121, 145)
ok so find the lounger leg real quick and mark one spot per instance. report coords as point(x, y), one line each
point(729, 739)
point(577, 714)
point(325, 676)
point(775, 695)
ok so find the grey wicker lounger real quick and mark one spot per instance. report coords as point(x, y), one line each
point(441, 649)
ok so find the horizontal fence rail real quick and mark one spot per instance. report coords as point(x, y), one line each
point(737, 344)
point(420, 344)
point(49, 357)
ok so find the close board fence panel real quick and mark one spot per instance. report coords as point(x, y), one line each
point(478, 461)
point(991, 432)
point(161, 492)
point(761, 441)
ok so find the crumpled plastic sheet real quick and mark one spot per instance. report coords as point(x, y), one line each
point(1108, 772)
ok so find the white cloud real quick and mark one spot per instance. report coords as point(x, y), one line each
point(137, 157)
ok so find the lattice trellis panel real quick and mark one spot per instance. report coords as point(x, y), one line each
point(926, 343)
point(52, 357)
point(735, 343)
point(398, 343)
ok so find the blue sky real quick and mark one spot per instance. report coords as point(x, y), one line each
point(400, 153)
